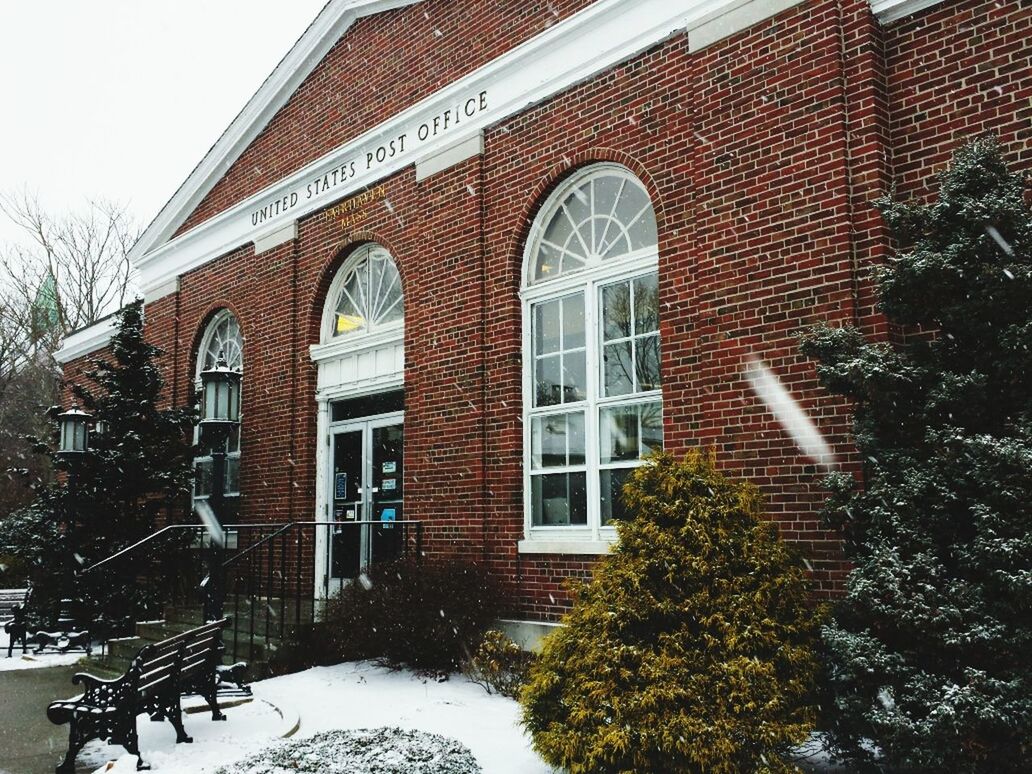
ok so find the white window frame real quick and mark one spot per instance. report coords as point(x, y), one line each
point(209, 331)
point(371, 331)
point(592, 538)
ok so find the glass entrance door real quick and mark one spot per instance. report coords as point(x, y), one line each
point(366, 495)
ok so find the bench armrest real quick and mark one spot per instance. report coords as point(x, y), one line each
point(99, 691)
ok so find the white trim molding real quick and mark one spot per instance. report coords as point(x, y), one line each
point(566, 546)
point(82, 342)
point(575, 49)
point(322, 34)
point(889, 11)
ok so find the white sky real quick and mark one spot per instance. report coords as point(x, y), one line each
point(119, 99)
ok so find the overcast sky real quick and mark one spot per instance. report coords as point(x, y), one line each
point(119, 99)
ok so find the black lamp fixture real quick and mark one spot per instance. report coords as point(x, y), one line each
point(220, 398)
point(74, 431)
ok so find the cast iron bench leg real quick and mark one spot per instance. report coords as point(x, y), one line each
point(76, 741)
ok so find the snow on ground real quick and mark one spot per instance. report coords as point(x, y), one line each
point(358, 695)
point(31, 660)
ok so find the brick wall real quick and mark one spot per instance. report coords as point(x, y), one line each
point(762, 154)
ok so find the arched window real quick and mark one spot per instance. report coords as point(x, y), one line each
point(365, 296)
point(221, 339)
point(592, 397)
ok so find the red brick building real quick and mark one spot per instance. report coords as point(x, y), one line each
point(476, 259)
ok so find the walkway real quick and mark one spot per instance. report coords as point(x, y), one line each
point(29, 743)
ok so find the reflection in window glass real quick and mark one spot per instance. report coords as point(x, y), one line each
point(560, 370)
point(559, 500)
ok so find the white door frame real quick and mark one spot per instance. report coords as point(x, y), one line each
point(326, 586)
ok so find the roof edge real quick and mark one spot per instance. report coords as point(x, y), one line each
point(316, 41)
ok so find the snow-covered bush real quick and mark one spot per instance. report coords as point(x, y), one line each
point(929, 651)
point(499, 664)
point(426, 615)
point(690, 649)
point(362, 751)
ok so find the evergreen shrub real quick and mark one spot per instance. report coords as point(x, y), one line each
point(425, 615)
point(690, 649)
point(499, 665)
point(930, 652)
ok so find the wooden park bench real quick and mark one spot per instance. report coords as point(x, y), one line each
point(158, 676)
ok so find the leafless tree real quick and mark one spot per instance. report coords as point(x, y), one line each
point(83, 255)
point(68, 272)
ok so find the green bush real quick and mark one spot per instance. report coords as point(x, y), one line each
point(499, 665)
point(427, 616)
point(690, 650)
point(928, 652)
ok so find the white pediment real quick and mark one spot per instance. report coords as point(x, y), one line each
point(333, 21)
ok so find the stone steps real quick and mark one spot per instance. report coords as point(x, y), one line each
point(237, 639)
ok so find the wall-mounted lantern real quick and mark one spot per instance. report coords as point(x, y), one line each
point(74, 431)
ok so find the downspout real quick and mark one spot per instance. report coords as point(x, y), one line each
point(482, 239)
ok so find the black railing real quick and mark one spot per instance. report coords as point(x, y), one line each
point(268, 577)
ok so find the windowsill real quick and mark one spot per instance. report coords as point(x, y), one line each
point(566, 546)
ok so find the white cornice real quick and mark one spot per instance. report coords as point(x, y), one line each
point(322, 34)
point(87, 340)
point(591, 41)
point(891, 10)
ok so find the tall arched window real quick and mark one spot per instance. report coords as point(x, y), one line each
point(592, 400)
point(221, 339)
point(365, 296)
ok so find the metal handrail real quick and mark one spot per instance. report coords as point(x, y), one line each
point(240, 554)
point(170, 527)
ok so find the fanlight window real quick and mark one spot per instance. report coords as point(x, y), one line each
point(368, 296)
point(222, 338)
point(598, 218)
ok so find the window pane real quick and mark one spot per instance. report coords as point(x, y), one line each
point(548, 442)
point(560, 234)
point(651, 423)
point(558, 499)
point(573, 321)
point(351, 303)
point(575, 378)
point(202, 478)
point(616, 311)
point(548, 381)
point(611, 486)
point(643, 231)
point(232, 482)
point(557, 440)
point(387, 303)
point(647, 365)
point(646, 304)
point(546, 327)
point(617, 368)
point(618, 434)
point(575, 437)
